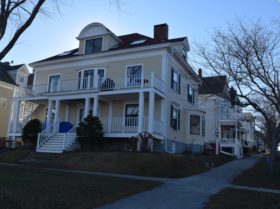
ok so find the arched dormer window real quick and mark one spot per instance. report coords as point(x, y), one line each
point(95, 37)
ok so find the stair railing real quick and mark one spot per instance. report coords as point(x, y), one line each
point(44, 136)
point(72, 130)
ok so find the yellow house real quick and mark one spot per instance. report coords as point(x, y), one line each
point(11, 79)
point(133, 83)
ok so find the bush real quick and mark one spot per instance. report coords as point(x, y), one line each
point(90, 132)
point(31, 130)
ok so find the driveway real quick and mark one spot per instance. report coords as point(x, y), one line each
point(186, 193)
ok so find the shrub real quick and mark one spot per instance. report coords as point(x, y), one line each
point(90, 132)
point(30, 131)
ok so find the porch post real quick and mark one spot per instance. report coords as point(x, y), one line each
point(17, 107)
point(10, 117)
point(49, 114)
point(95, 106)
point(57, 114)
point(66, 113)
point(141, 112)
point(151, 111)
point(218, 140)
point(236, 148)
point(110, 118)
point(87, 100)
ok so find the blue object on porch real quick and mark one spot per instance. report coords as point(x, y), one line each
point(64, 127)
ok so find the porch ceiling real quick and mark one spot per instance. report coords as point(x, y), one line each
point(127, 96)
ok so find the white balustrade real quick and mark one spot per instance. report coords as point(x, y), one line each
point(92, 83)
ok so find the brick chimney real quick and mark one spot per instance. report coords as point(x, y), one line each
point(161, 32)
point(200, 72)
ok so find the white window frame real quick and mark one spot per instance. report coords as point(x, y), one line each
point(94, 75)
point(126, 76)
point(85, 41)
point(200, 124)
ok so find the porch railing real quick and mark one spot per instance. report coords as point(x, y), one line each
point(45, 135)
point(95, 83)
point(68, 136)
point(128, 125)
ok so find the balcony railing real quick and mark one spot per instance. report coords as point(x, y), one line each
point(128, 125)
point(95, 84)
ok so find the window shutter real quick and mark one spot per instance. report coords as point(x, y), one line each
point(193, 96)
point(179, 120)
point(171, 114)
point(172, 78)
point(179, 84)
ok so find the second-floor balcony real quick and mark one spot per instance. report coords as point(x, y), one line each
point(94, 84)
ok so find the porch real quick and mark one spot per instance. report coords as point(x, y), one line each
point(122, 115)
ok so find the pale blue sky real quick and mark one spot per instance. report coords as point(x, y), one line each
point(192, 18)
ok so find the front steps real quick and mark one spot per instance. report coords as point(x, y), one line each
point(55, 144)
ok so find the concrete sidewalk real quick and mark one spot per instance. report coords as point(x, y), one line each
point(186, 193)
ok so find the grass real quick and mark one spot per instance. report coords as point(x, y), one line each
point(13, 156)
point(142, 164)
point(239, 199)
point(258, 176)
point(40, 189)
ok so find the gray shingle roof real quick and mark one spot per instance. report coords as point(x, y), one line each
point(213, 85)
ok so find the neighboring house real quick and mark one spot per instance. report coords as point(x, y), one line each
point(12, 79)
point(133, 83)
point(226, 127)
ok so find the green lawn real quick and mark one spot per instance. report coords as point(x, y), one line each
point(258, 176)
point(26, 188)
point(244, 199)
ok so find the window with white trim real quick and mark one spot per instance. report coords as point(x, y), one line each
point(131, 114)
point(133, 75)
point(175, 81)
point(174, 117)
point(93, 45)
point(195, 124)
point(191, 94)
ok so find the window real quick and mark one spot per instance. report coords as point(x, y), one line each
point(175, 81)
point(195, 124)
point(93, 45)
point(3, 103)
point(190, 94)
point(54, 83)
point(133, 74)
point(184, 54)
point(174, 118)
point(203, 126)
point(86, 78)
point(131, 114)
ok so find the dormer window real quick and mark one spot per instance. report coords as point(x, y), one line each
point(93, 45)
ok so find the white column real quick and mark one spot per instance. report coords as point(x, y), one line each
point(236, 147)
point(218, 139)
point(17, 107)
point(151, 111)
point(110, 117)
point(95, 106)
point(67, 113)
point(10, 117)
point(49, 114)
point(141, 112)
point(57, 115)
point(87, 101)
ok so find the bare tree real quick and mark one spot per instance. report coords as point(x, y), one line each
point(249, 55)
point(17, 15)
